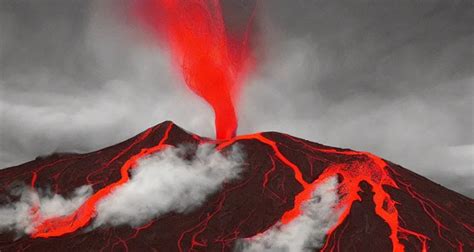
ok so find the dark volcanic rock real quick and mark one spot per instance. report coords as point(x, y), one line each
point(244, 207)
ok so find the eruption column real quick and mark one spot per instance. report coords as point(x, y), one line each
point(211, 63)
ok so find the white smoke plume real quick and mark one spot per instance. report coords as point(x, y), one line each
point(19, 216)
point(168, 182)
point(307, 231)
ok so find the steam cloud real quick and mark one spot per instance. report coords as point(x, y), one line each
point(164, 182)
point(307, 231)
point(391, 77)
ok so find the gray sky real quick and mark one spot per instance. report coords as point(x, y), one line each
point(391, 77)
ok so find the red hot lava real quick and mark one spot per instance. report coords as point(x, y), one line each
point(212, 64)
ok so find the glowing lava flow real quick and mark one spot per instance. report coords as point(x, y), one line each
point(384, 194)
point(212, 65)
point(370, 169)
point(58, 226)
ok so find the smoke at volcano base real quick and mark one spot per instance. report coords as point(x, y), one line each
point(307, 231)
point(167, 181)
point(391, 78)
point(20, 215)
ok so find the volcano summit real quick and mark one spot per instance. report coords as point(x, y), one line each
point(263, 202)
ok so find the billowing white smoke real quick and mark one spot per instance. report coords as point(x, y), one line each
point(307, 231)
point(19, 216)
point(167, 182)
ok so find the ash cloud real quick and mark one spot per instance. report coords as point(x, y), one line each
point(307, 231)
point(392, 78)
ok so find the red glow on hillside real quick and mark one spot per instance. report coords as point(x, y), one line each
point(370, 169)
point(212, 64)
point(352, 168)
point(58, 226)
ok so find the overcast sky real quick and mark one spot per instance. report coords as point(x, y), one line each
point(395, 78)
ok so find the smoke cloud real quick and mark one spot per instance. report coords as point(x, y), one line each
point(20, 216)
point(307, 231)
point(392, 78)
point(168, 181)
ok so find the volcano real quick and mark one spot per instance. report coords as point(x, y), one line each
point(383, 206)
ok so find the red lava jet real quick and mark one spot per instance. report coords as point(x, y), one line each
point(385, 207)
point(211, 63)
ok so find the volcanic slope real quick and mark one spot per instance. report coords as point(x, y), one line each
point(383, 206)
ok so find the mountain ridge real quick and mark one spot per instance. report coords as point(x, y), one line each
point(441, 215)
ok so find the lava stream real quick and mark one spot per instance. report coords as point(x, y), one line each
point(372, 171)
point(58, 226)
point(369, 168)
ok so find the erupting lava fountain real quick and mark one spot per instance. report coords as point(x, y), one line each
point(212, 63)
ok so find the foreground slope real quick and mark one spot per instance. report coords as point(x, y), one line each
point(388, 208)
